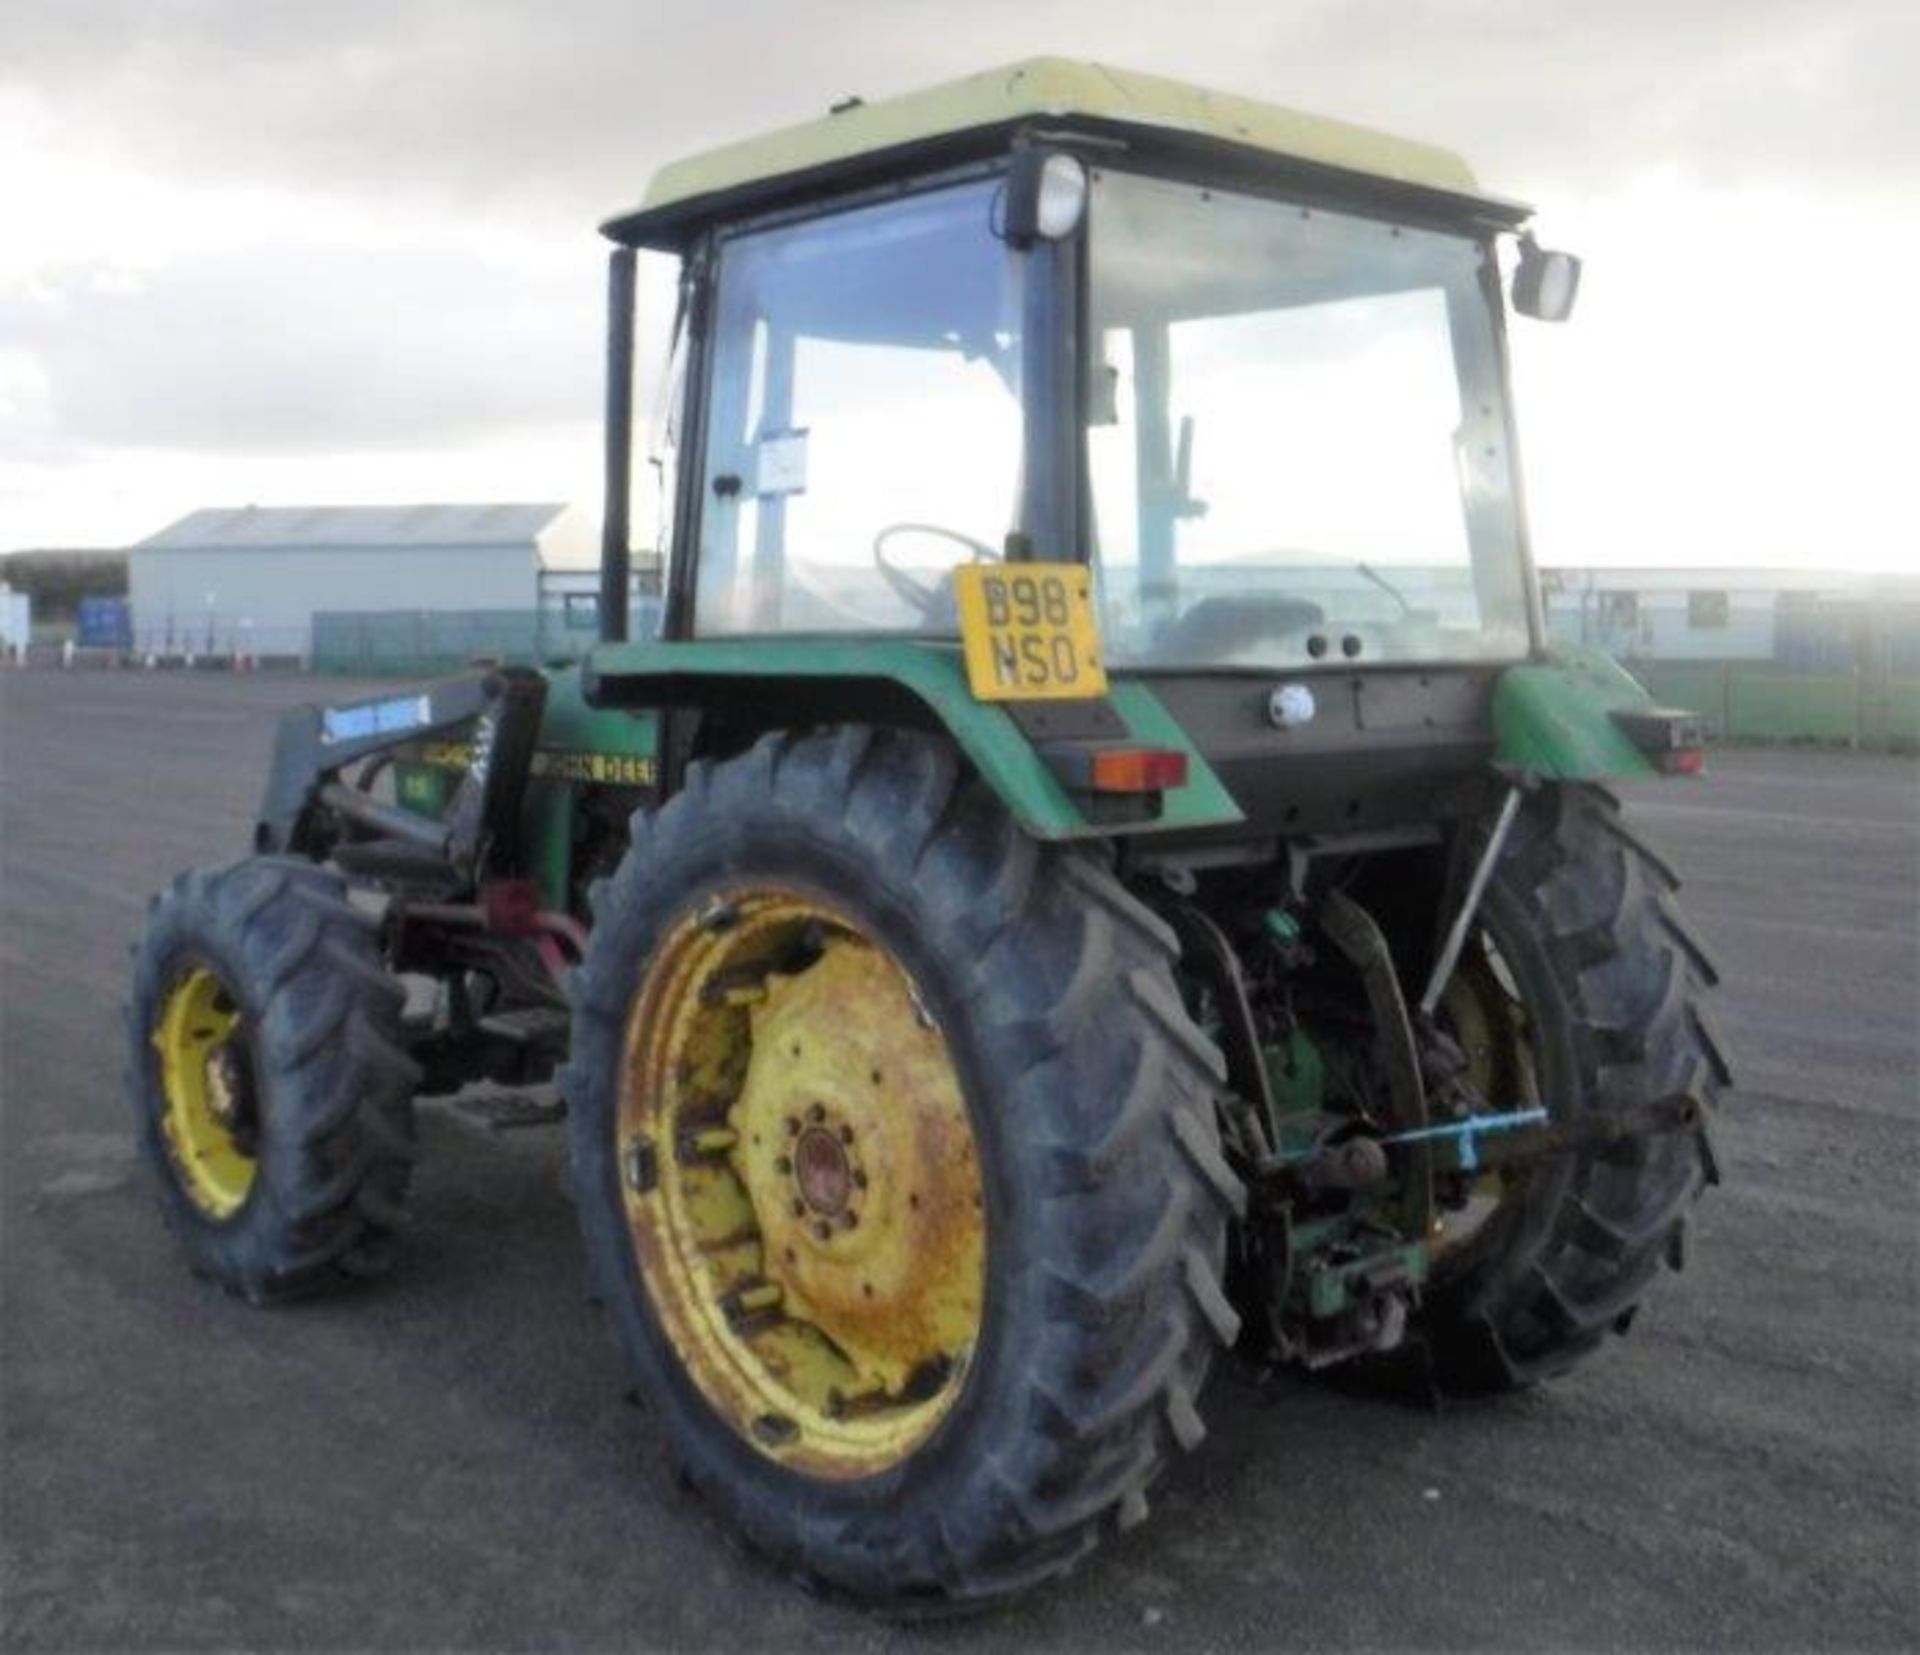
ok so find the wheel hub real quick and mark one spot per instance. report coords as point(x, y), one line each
point(883, 1223)
point(823, 1171)
point(815, 1247)
point(209, 1122)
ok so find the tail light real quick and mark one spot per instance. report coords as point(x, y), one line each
point(1115, 767)
point(1673, 742)
point(1137, 770)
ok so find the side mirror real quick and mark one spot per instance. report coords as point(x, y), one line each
point(1546, 282)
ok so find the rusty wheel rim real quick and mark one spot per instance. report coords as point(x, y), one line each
point(801, 1182)
point(1489, 1020)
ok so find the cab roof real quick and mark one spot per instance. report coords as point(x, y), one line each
point(966, 118)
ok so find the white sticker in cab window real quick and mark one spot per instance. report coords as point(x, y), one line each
point(780, 465)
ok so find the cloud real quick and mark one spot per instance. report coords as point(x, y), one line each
point(1571, 94)
point(272, 244)
point(318, 346)
point(566, 107)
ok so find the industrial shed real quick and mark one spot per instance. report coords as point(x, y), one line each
point(1810, 619)
point(1828, 655)
point(249, 581)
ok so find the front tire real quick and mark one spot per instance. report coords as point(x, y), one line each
point(271, 1095)
point(1088, 1100)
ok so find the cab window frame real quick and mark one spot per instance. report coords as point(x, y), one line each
point(701, 274)
point(1055, 413)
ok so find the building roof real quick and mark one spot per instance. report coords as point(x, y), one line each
point(260, 528)
point(1043, 87)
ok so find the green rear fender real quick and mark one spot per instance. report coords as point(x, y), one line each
point(865, 673)
point(1554, 718)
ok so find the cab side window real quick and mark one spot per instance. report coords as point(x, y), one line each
point(863, 416)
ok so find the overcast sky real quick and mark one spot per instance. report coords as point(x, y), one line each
point(344, 250)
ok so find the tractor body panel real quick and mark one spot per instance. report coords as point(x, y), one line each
point(1384, 749)
point(770, 683)
point(583, 753)
point(1556, 718)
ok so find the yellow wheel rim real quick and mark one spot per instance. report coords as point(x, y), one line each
point(208, 1120)
point(1490, 1023)
point(801, 1182)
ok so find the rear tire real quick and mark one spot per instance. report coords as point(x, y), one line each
point(1090, 1098)
point(317, 1172)
point(1611, 981)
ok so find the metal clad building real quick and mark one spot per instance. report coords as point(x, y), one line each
point(248, 581)
point(1810, 619)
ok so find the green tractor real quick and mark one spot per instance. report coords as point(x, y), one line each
point(1092, 863)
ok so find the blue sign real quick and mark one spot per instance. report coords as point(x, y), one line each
point(375, 718)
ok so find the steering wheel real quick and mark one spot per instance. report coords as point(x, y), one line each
point(923, 596)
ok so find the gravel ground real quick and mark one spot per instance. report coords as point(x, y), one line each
point(445, 1461)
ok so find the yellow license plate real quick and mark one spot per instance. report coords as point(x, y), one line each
point(1029, 631)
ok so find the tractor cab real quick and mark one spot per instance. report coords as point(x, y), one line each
point(1078, 376)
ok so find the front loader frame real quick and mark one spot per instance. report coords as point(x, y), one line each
point(479, 859)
